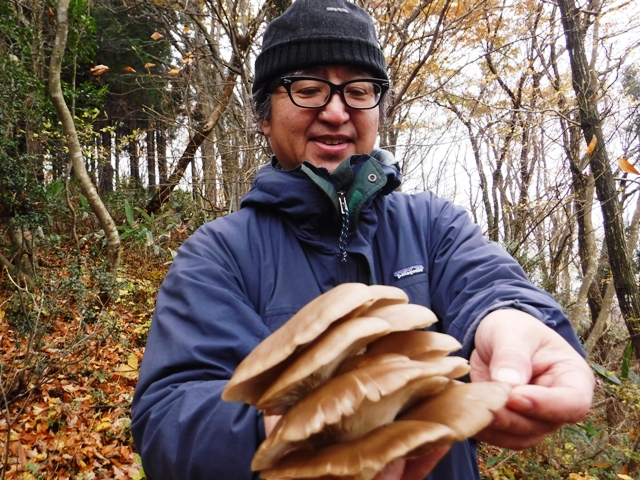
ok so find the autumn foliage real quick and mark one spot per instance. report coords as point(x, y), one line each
point(483, 110)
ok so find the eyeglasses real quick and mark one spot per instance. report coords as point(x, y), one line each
point(313, 92)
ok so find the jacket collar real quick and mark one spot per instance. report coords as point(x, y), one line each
point(310, 195)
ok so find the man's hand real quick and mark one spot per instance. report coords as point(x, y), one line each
point(414, 469)
point(401, 469)
point(552, 384)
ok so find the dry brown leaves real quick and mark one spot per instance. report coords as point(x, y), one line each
point(75, 425)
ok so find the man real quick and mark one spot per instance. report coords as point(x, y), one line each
point(324, 212)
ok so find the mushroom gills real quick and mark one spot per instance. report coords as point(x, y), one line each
point(263, 365)
point(364, 458)
point(352, 404)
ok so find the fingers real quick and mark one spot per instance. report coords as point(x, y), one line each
point(418, 468)
point(551, 405)
point(415, 468)
point(508, 440)
point(270, 422)
point(393, 471)
point(515, 431)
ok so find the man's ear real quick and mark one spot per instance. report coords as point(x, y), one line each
point(265, 127)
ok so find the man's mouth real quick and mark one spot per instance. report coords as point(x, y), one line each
point(333, 142)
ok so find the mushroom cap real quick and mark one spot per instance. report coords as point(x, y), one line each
point(258, 370)
point(414, 344)
point(316, 363)
point(350, 405)
point(403, 316)
point(364, 360)
point(319, 360)
point(369, 416)
point(363, 458)
point(465, 408)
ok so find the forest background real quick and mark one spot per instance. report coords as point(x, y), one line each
point(126, 124)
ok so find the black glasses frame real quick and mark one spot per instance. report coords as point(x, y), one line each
point(286, 82)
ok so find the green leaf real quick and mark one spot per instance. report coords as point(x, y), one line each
point(84, 203)
point(491, 461)
point(141, 234)
point(626, 361)
point(140, 475)
point(578, 433)
point(635, 378)
point(128, 211)
point(588, 429)
point(55, 188)
point(145, 215)
point(605, 374)
point(129, 232)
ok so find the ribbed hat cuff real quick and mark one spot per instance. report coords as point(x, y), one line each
point(307, 53)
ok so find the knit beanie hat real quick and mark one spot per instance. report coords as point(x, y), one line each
point(312, 33)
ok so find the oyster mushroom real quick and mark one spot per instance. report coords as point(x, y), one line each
point(318, 362)
point(415, 344)
point(364, 458)
point(465, 408)
point(315, 364)
point(350, 405)
point(256, 373)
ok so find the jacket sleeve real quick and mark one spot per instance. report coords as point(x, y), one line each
point(203, 326)
point(470, 277)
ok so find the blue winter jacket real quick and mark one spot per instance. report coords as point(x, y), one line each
point(240, 277)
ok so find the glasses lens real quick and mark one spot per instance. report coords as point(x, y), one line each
point(312, 93)
point(362, 94)
point(309, 93)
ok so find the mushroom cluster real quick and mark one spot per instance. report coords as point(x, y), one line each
point(359, 385)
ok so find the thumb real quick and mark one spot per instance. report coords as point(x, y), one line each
point(507, 345)
point(510, 367)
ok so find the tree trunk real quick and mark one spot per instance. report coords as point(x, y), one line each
point(116, 141)
point(161, 144)
point(106, 169)
point(71, 137)
point(586, 94)
point(151, 156)
point(210, 173)
point(134, 155)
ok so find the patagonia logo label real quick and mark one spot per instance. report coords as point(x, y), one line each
point(337, 9)
point(407, 272)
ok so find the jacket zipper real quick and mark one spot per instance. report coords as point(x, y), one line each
point(344, 212)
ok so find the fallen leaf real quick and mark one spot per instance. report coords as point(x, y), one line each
point(626, 167)
point(99, 70)
point(592, 145)
point(157, 36)
point(25, 476)
point(103, 426)
point(580, 476)
point(624, 477)
point(130, 369)
point(22, 455)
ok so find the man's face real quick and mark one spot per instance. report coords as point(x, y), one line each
point(322, 136)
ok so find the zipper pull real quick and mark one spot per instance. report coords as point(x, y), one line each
point(344, 211)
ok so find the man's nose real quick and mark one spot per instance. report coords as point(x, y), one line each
point(336, 111)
